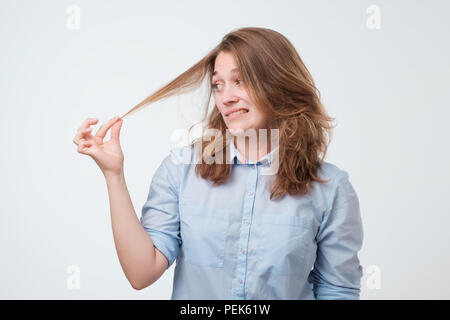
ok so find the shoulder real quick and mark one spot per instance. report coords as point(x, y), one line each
point(340, 189)
point(337, 184)
point(180, 155)
point(331, 172)
point(178, 160)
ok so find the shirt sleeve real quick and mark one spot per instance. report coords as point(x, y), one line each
point(337, 271)
point(160, 214)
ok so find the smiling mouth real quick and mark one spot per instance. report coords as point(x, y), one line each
point(237, 113)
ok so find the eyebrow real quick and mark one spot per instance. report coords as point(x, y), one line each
point(234, 70)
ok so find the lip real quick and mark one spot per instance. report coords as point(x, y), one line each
point(234, 110)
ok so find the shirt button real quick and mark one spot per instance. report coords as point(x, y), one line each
point(240, 280)
point(242, 251)
point(246, 223)
point(250, 193)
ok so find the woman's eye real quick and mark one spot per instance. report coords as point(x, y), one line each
point(216, 86)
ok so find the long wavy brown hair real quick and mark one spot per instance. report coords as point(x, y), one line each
point(278, 83)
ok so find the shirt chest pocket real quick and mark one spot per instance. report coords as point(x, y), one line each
point(285, 243)
point(203, 232)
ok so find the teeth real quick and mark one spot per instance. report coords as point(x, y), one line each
point(239, 112)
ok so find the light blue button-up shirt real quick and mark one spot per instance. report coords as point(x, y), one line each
point(232, 242)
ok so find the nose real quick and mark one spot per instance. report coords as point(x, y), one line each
point(229, 96)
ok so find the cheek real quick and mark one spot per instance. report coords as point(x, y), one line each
point(260, 118)
point(257, 114)
point(219, 108)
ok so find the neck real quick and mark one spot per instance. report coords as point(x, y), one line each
point(253, 149)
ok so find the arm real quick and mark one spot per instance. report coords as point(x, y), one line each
point(141, 262)
point(337, 271)
point(160, 214)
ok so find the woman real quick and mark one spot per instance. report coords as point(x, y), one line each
point(236, 233)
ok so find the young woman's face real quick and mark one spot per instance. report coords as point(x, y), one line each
point(231, 94)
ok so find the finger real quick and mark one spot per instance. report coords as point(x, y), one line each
point(82, 134)
point(87, 144)
point(86, 123)
point(115, 130)
point(101, 133)
point(83, 146)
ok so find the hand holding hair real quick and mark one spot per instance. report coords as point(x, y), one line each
point(108, 155)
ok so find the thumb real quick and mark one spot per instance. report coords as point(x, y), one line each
point(115, 130)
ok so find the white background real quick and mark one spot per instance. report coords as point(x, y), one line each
point(388, 89)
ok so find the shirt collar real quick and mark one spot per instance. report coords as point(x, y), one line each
point(237, 157)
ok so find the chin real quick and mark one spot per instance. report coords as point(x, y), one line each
point(237, 130)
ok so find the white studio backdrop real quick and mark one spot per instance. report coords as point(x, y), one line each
point(382, 69)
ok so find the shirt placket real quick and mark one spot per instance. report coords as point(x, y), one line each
point(249, 198)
